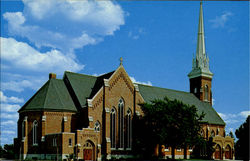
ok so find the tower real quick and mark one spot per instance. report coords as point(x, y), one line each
point(201, 77)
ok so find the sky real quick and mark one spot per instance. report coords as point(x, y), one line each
point(156, 39)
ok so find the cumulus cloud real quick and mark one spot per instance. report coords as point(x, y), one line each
point(72, 24)
point(234, 118)
point(9, 107)
point(136, 34)
point(11, 99)
point(135, 81)
point(221, 20)
point(21, 55)
point(8, 123)
point(8, 132)
point(9, 115)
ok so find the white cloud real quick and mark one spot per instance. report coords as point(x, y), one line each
point(135, 81)
point(9, 115)
point(8, 123)
point(10, 99)
point(9, 107)
point(72, 24)
point(245, 114)
point(8, 132)
point(19, 86)
point(21, 55)
point(234, 118)
point(221, 20)
point(136, 34)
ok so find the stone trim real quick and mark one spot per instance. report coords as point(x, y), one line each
point(107, 110)
point(42, 138)
point(89, 102)
point(43, 118)
point(91, 118)
point(106, 82)
point(136, 87)
point(108, 140)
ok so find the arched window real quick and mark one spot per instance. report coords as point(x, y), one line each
point(206, 93)
point(35, 125)
point(217, 131)
point(202, 133)
point(212, 133)
point(207, 133)
point(129, 129)
point(97, 126)
point(113, 128)
point(23, 129)
point(121, 123)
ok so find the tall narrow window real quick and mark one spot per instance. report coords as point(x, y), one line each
point(206, 93)
point(121, 123)
point(35, 125)
point(113, 128)
point(70, 142)
point(97, 126)
point(129, 130)
point(23, 129)
point(212, 133)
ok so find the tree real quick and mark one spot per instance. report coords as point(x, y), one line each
point(231, 134)
point(167, 122)
point(204, 149)
point(7, 152)
point(242, 144)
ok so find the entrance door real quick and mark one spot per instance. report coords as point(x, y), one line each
point(228, 152)
point(88, 154)
point(88, 151)
point(218, 152)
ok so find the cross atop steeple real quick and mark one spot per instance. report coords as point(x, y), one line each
point(121, 60)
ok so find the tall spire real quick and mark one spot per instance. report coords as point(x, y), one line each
point(200, 61)
point(200, 50)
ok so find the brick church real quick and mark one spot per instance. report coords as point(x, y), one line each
point(91, 116)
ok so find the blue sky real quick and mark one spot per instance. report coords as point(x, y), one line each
point(157, 41)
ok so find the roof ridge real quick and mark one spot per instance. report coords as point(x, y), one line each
point(21, 109)
point(164, 88)
point(80, 74)
point(45, 99)
point(56, 90)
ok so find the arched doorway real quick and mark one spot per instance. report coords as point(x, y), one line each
point(228, 152)
point(218, 152)
point(89, 151)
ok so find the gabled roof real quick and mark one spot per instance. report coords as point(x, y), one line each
point(150, 93)
point(85, 86)
point(52, 96)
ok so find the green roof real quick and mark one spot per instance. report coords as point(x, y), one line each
point(85, 86)
point(52, 96)
point(150, 93)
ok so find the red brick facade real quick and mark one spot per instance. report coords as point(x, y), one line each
point(59, 136)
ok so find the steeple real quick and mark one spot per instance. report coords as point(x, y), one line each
point(201, 77)
point(200, 65)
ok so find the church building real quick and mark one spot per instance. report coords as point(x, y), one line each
point(90, 117)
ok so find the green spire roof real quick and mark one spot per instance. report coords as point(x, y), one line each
point(150, 93)
point(200, 65)
point(52, 96)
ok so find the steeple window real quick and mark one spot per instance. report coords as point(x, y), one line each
point(206, 93)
